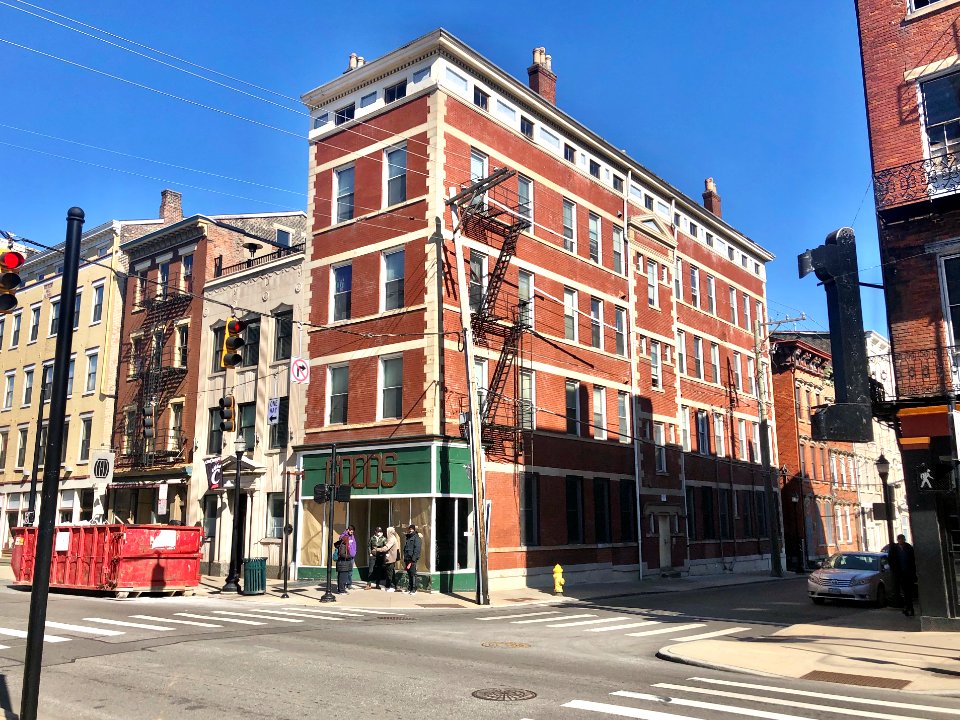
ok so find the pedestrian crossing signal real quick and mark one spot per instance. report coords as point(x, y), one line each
point(233, 341)
point(10, 262)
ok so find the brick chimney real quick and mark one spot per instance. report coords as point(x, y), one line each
point(171, 206)
point(542, 79)
point(711, 201)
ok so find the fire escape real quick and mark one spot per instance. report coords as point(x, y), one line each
point(493, 214)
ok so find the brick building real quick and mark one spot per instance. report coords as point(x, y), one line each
point(912, 88)
point(613, 323)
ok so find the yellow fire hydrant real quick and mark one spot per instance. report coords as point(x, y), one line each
point(558, 579)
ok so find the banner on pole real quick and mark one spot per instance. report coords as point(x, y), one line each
point(214, 469)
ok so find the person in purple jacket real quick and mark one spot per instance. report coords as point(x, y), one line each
point(347, 551)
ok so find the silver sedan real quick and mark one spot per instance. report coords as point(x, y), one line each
point(859, 576)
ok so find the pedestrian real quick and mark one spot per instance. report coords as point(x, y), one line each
point(411, 556)
point(375, 559)
point(390, 552)
point(903, 564)
point(348, 551)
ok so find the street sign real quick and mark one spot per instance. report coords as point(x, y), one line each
point(162, 499)
point(102, 464)
point(299, 370)
point(273, 411)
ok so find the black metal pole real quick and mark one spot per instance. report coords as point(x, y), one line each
point(32, 501)
point(286, 535)
point(331, 480)
point(233, 577)
point(773, 510)
point(888, 508)
point(30, 696)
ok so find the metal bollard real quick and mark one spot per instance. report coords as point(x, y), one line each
point(558, 580)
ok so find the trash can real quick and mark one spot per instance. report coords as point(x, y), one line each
point(254, 576)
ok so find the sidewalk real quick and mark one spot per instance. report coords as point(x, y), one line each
point(883, 649)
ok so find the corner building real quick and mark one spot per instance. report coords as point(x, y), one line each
point(613, 325)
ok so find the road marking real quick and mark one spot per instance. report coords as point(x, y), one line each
point(521, 615)
point(256, 615)
point(742, 711)
point(310, 611)
point(540, 620)
point(360, 610)
point(122, 623)
point(586, 622)
point(625, 627)
point(23, 634)
point(4, 647)
point(311, 615)
point(621, 711)
point(664, 630)
point(829, 696)
point(85, 629)
point(207, 617)
point(786, 703)
point(715, 633)
point(177, 622)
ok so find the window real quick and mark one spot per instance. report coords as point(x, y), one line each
point(478, 280)
point(283, 339)
point(718, 434)
point(337, 404)
point(737, 378)
point(140, 288)
point(595, 168)
point(569, 226)
point(618, 249)
point(529, 509)
point(163, 281)
point(506, 112)
point(176, 426)
point(67, 498)
point(27, 386)
point(97, 315)
point(570, 314)
point(715, 362)
point(15, 335)
point(690, 508)
point(344, 114)
point(70, 374)
point(481, 99)
point(941, 103)
point(526, 126)
point(525, 198)
point(393, 277)
point(628, 511)
point(573, 407)
point(681, 352)
point(703, 433)
point(655, 380)
point(54, 316)
point(733, 307)
point(215, 434)
point(601, 510)
point(457, 81)
point(593, 233)
point(755, 454)
point(599, 413)
point(391, 372)
point(653, 288)
point(478, 170)
point(246, 424)
point(279, 432)
point(21, 446)
point(678, 279)
point(525, 297)
point(746, 312)
point(396, 162)
point(42, 448)
point(617, 184)
point(8, 391)
point(480, 377)
point(86, 428)
point(549, 138)
point(527, 412)
point(742, 440)
point(250, 352)
point(685, 428)
point(623, 418)
point(660, 450)
point(76, 310)
point(596, 323)
point(342, 286)
point(918, 4)
point(46, 382)
point(182, 345)
point(283, 239)
point(698, 357)
point(709, 239)
point(711, 295)
point(344, 183)
point(707, 513)
point(218, 333)
point(694, 230)
point(569, 153)
point(574, 498)
point(620, 331)
point(695, 286)
point(4, 443)
point(275, 515)
point(395, 92)
point(751, 376)
point(726, 526)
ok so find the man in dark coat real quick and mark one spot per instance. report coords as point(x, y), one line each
point(903, 564)
point(412, 547)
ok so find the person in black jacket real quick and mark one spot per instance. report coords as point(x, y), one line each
point(903, 563)
point(412, 547)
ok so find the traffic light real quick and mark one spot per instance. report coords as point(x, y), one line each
point(321, 493)
point(149, 422)
point(227, 413)
point(230, 355)
point(10, 262)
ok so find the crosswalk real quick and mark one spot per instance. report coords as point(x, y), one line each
point(685, 701)
point(636, 625)
point(137, 626)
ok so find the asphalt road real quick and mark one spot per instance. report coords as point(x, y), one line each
point(581, 660)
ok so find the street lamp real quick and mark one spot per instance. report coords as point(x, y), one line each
point(233, 578)
point(883, 470)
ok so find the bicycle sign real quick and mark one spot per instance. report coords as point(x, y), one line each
point(299, 370)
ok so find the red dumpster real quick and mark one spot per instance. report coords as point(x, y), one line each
point(121, 559)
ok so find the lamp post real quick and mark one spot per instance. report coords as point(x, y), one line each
point(233, 578)
point(883, 470)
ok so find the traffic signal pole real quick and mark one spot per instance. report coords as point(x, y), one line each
point(331, 481)
point(30, 696)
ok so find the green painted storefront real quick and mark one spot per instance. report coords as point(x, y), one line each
point(426, 484)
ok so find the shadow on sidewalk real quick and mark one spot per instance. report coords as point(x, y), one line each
point(6, 703)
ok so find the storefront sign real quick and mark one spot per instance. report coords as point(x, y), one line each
point(375, 471)
point(102, 464)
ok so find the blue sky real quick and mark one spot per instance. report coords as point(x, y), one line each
point(766, 97)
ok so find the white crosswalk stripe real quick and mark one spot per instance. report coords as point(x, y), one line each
point(708, 635)
point(83, 629)
point(9, 632)
point(622, 711)
point(259, 616)
point(521, 615)
point(4, 647)
point(306, 612)
point(123, 623)
point(683, 702)
point(177, 622)
point(543, 620)
point(309, 615)
point(586, 622)
point(370, 612)
point(665, 630)
point(627, 626)
point(220, 619)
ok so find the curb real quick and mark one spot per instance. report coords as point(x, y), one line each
point(653, 591)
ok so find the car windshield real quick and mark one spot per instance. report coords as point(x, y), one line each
point(853, 561)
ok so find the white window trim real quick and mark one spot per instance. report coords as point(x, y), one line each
point(533, 396)
point(531, 218)
point(595, 216)
point(533, 295)
point(100, 285)
point(383, 278)
point(7, 377)
point(32, 369)
point(384, 191)
point(576, 312)
point(335, 193)
point(380, 382)
point(333, 291)
point(600, 430)
point(573, 221)
point(598, 320)
point(329, 392)
point(711, 295)
point(17, 314)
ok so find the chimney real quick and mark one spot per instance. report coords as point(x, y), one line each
point(711, 201)
point(352, 65)
point(542, 79)
point(171, 206)
point(360, 61)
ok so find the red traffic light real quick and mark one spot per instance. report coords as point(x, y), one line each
point(10, 260)
point(235, 327)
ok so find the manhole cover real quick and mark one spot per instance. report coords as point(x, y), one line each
point(392, 618)
point(505, 644)
point(504, 694)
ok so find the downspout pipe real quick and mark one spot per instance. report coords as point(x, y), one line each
point(634, 382)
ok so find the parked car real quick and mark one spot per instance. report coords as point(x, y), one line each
point(861, 576)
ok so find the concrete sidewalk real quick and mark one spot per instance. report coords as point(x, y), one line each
point(879, 648)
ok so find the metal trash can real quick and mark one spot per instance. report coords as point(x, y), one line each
point(254, 576)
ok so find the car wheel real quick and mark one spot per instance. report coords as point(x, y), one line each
point(818, 600)
point(881, 599)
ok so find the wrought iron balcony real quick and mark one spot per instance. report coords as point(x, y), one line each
point(219, 270)
point(917, 181)
point(926, 373)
